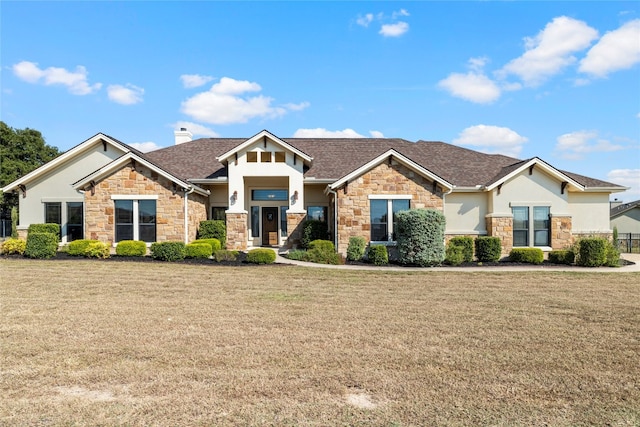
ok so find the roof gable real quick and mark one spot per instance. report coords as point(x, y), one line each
point(511, 171)
point(71, 153)
point(626, 207)
point(264, 135)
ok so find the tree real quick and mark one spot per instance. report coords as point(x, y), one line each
point(21, 151)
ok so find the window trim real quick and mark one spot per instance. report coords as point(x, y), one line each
point(136, 215)
point(531, 235)
point(390, 198)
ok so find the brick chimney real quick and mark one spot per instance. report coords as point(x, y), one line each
point(182, 136)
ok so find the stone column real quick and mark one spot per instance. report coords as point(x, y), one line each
point(501, 226)
point(237, 230)
point(561, 237)
point(294, 228)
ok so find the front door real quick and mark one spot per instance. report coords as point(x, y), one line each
point(269, 226)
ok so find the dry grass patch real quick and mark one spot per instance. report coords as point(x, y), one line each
point(104, 343)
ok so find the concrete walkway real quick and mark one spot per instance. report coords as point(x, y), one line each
point(633, 268)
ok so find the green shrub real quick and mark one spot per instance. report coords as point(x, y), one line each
point(297, 255)
point(198, 250)
point(612, 255)
point(466, 243)
point(488, 249)
point(225, 255)
point(322, 252)
point(214, 243)
point(561, 257)
point(420, 237)
point(261, 256)
point(378, 255)
point(45, 228)
point(14, 246)
point(526, 255)
point(313, 229)
point(41, 245)
point(168, 251)
point(213, 229)
point(454, 255)
point(131, 248)
point(356, 248)
point(592, 252)
point(14, 223)
point(97, 249)
point(322, 245)
point(79, 247)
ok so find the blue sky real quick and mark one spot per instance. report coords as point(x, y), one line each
point(556, 80)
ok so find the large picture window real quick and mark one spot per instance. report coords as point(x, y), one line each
point(135, 220)
point(319, 213)
point(531, 224)
point(381, 210)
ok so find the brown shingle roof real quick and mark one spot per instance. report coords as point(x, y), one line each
point(334, 158)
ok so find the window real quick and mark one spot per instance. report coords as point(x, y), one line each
point(53, 214)
point(280, 156)
point(218, 212)
point(265, 156)
point(525, 230)
point(252, 157)
point(381, 209)
point(255, 221)
point(318, 213)
point(74, 221)
point(135, 220)
point(283, 220)
point(265, 195)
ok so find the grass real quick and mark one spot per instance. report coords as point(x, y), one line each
point(115, 343)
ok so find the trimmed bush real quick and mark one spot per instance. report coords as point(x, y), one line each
point(561, 257)
point(214, 243)
point(322, 252)
point(454, 255)
point(297, 255)
point(213, 229)
point(322, 245)
point(14, 246)
point(466, 243)
point(526, 255)
point(168, 251)
point(313, 229)
point(356, 248)
point(79, 247)
point(45, 228)
point(41, 245)
point(198, 250)
point(131, 248)
point(378, 255)
point(592, 252)
point(14, 223)
point(97, 249)
point(420, 237)
point(612, 255)
point(225, 255)
point(488, 249)
point(261, 256)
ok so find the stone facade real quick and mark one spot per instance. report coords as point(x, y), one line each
point(294, 229)
point(561, 237)
point(502, 227)
point(354, 216)
point(237, 231)
point(100, 208)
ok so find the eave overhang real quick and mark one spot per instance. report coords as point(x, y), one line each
point(261, 136)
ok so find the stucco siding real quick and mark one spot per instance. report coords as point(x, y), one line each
point(537, 189)
point(590, 213)
point(628, 222)
point(465, 213)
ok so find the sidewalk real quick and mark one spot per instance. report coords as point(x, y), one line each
point(633, 268)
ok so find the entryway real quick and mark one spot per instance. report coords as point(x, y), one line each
point(269, 226)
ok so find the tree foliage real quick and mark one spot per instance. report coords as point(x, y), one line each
point(21, 151)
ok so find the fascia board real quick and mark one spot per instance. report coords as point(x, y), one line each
point(546, 167)
point(256, 138)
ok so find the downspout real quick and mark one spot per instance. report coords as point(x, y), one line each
point(187, 191)
point(335, 217)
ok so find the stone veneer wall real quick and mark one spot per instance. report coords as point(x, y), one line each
point(561, 237)
point(294, 229)
point(237, 231)
point(196, 211)
point(502, 227)
point(99, 208)
point(354, 216)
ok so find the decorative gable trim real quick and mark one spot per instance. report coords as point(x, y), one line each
point(264, 135)
point(88, 182)
point(75, 151)
point(387, 156)
point(530, 165)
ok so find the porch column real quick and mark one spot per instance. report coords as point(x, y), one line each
point(237, 231)
point(561, 237)
point(294, 227)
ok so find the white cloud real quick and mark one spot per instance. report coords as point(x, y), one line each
point(196, 129)
point(616, 50)
point(575, 145)
point(376, 134)
point(365, 20)
point(324, 133)
point(492, 139)
point(473, 86)
point(394, 30)
point(145, 147)
point(194, 80)
point(126, 95)
point(227, 102)
point(551, 50)
point(75, 81)
point(628, 178)
point(398, 13)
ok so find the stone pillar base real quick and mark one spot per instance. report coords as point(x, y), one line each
point(294, 229)
point(237, 231)
point(502, 227)
point(561, 237)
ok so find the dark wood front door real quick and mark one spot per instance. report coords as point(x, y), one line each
point(269, 226)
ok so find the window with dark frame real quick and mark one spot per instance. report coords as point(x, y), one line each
point(381, 210)
point(53, 214)
point(75, 228)
point(531, 224)
point(252, 157)
point(265, 156)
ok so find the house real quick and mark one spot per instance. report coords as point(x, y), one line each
point(266, 186)
point(625, 216)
